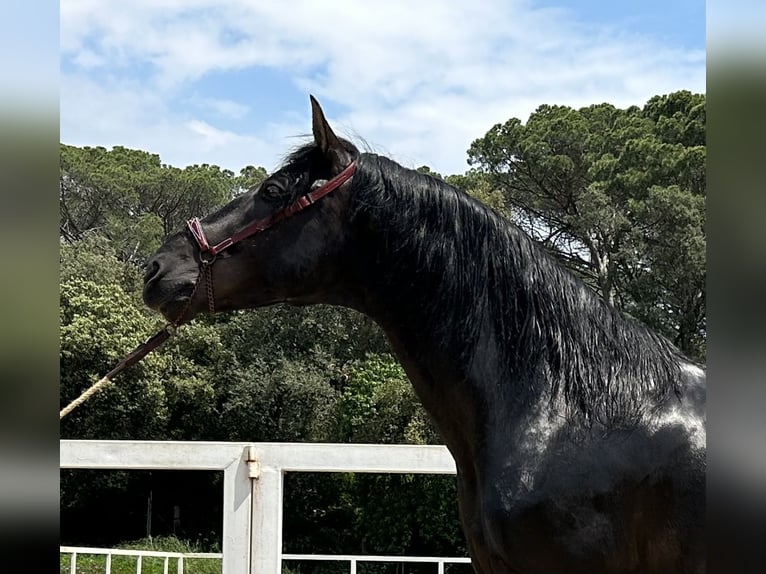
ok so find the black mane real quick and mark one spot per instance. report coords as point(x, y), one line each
point(546, 323)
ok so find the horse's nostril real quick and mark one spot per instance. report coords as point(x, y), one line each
point(151, 269)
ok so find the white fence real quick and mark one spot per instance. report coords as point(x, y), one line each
point(253, 485)
point(177, 557)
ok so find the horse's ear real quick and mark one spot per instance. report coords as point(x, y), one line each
point(325, 138)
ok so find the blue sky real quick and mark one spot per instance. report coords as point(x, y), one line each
point(226, 82)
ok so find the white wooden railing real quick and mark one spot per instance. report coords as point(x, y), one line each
point(253, 485)
point(353, 560)
point(178, 558)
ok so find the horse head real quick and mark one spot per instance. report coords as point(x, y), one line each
point(271, 244)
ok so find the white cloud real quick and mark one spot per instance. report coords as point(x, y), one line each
point(211, 137)
point(418, 80)
point(223, 108)
point(139, 118)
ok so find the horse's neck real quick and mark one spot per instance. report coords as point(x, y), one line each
point(462, 343)
point(400, 282)
point(446, 394)
point(454, 387)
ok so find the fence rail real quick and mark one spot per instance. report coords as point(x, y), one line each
point(180, 557)
point(354, 559)
point(253, 485)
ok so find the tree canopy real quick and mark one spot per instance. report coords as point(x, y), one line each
point(619, 196)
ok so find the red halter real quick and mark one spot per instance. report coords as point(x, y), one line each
point(195, 226)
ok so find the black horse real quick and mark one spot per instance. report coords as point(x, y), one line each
point(579, 435)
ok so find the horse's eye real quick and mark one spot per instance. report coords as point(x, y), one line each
point(272, 191)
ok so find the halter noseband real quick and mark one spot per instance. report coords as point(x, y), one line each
point(195, 226)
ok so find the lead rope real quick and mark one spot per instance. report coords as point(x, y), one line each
point(147, 346)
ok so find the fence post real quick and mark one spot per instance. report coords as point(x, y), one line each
point(266, 540)
point(237, 491)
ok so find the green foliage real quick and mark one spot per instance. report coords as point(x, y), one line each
point(287, 401)
point(378, 404)
point(94, 258)
point(477, 185)
point(619, 196)
point(249, 177)
point(424, 169)
point(134, 199)
point(372, 514)
point(322, 334)
point(98, 323)
point(668, 291)
point(401, 512)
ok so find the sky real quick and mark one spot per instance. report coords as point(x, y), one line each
point(227, 82)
